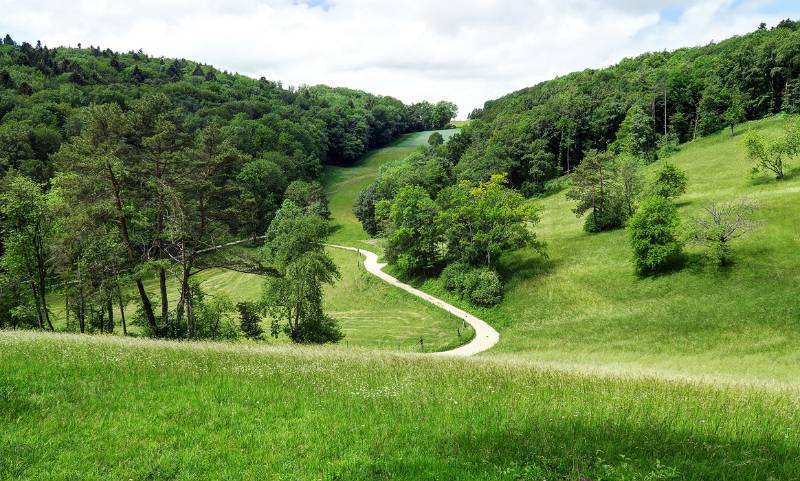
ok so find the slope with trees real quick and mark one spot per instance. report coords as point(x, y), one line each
point(156, 162)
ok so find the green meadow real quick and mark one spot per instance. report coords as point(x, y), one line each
point(99, 408)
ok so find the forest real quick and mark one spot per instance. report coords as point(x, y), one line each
point(117, 167)
point(659, 99)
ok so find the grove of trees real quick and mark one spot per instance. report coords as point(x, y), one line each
point(119, 169)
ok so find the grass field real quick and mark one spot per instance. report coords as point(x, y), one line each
point(344, 183)
point(100, 408)
point(584, 306)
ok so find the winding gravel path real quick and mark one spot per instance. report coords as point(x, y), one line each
point(485, 335)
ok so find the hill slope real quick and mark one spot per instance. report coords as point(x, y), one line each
point(584, 305)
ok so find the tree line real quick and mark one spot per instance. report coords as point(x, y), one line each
point(121, 169)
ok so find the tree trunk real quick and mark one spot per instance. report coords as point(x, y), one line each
point(148, 308)
point(43, 299)
point(122, 314)
point(37, 299)
point(110, 308)
point(162, 282)
point(82, 314)
point(102, 318)
point(123, 230)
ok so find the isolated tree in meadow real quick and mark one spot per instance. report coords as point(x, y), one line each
point(310, 196)
point(443, 113)
point(631, 182)
point(723, 223)
point(735, 113)
point(480, 223)
point(29, 227)
point(294, 246)
point(653, 234)
point(770, 155)
point(413, 238)
point(670, 182)
point(435, 139)
point(596, 188)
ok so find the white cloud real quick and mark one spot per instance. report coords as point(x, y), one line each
point(468, 51)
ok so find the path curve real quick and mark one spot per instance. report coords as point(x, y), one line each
point(485, 335)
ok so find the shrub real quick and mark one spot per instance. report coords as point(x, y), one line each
point(453, 275)
point(670, 182)
point(722, 224)
point(600, 221)
point(652, 234)
point(483, 287)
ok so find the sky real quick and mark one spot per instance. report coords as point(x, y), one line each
point(465, 51)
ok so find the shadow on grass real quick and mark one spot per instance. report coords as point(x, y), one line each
point(693, 262)
point(767, 179)
point(581, 449)
point(575, 449)
point(521, 265)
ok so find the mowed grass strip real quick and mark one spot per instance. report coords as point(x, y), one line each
point(343, 183)
point(98, 408)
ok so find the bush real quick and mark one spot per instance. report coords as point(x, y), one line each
point(670, 182)
point(452, 277)
point(483, 287)
point(600, 221)
point(652, 234)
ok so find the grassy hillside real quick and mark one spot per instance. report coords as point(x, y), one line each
point(344, 183)
point(95, 408)
point(585, 306)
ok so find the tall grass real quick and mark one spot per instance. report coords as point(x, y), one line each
point(99, 408)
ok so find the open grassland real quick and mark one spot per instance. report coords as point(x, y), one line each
point(584, 305)
point(99, 408)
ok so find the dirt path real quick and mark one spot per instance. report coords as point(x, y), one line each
point(485, 335)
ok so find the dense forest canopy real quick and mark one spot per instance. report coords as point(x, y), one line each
point(117, 167)
point(640, 105)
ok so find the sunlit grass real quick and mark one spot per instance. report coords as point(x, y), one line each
point(99, 408)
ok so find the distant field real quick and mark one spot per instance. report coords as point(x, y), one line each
point(344, 183)
point(584, 306)
point(372, 314)
point(103, 408)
